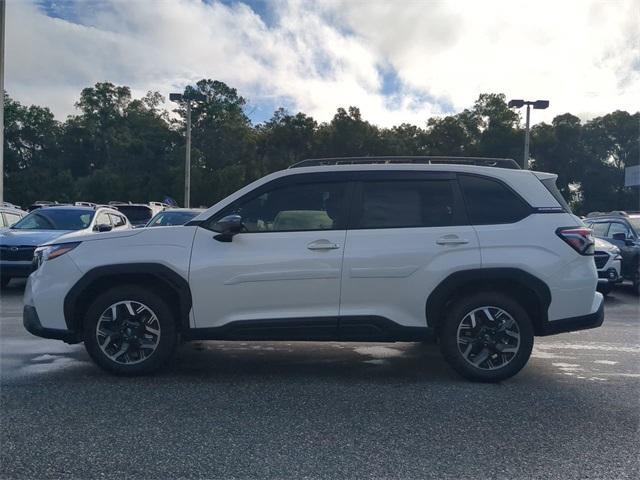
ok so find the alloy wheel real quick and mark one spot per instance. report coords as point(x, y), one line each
point(128, 332)
point(488, 338)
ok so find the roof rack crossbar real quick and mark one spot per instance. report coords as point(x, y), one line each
point(479, 161)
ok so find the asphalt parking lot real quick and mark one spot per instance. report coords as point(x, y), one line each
point(314, 410)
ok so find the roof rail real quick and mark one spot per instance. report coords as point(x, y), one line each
point(479, 161)
point(613, 213)
point(10, 205)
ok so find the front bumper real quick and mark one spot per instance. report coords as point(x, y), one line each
point(610, 273)
point(583, 322)
point(16, 269)
point(31, 322)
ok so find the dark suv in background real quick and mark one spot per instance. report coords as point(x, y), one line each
point(623, 230)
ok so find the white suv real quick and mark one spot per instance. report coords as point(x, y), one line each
point(479, 258)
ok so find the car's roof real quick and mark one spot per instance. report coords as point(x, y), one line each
point(437, 167)
point(11, 210)
point(178, 210)
point(76, 208)
point(403, 159)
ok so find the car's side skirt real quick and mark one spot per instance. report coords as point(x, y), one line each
point(347, 329)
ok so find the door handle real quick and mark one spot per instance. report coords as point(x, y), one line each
point(452, 240)
point(322, 245)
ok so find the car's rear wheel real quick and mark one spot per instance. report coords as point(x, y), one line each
point(4, 281)
point(486, 337)
point(130, 330)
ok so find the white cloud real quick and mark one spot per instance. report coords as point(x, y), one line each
point(583, 56)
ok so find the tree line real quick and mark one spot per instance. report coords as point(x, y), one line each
point(122, 148)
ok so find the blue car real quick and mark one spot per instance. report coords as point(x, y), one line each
point(18, 242)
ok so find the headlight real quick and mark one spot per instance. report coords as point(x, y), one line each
point(50, 252)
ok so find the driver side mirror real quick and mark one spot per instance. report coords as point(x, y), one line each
point(622, 237)
point(228, 227)
point(102, 227)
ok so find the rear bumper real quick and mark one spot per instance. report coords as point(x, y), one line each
point(32, 324)
point(584, 322)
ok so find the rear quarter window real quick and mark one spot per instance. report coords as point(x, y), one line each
point(490, 202)
point(550, 184)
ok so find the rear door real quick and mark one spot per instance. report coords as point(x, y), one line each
point(407, 234)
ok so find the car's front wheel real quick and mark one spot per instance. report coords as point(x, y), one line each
point(605, 289)
point(130, 330)
point(486, 337)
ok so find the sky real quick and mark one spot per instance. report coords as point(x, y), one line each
point(397, 60)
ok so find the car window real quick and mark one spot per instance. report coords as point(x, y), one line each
point(635, 223)
point(490, 202)
point(55, 219)
point(103, 219)
point(617, 227)
point(116, 220)
point(169, 218)
point(599, 229)
point(137, 214)
point(317, 206)
point(406, 204)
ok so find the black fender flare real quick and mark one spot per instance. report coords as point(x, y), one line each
point(170, 278)
point(517, 277)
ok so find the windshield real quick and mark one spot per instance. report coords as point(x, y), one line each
point(635, 223)
point(167, 219)
point(137, 214)
point(56, 219)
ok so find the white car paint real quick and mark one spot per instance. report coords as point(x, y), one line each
point(385, 272)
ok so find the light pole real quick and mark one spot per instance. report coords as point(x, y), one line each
point(537, 105)
point(2, 23)
point(180, 98)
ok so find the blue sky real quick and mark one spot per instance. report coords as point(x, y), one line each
point(397, 61)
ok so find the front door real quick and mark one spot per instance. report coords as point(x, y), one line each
point(628, 252)
point(284, 267)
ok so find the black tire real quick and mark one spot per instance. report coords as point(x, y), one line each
point(166, 342)
point(449, 345)
point(636, 282)
point(4, 281)
point(605, 289)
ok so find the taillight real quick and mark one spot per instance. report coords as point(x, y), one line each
point(578, 238)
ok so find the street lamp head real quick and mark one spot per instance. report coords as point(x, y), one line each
point(515, 103)
point(175, 97)
point(540, 104)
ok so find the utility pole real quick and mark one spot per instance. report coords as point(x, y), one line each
point(537, 105)
point(2, 35)
point(187, 161)
point(187, 99)
point(525, 160)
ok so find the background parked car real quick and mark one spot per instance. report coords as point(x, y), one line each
point(44, 224)
point(10, 214)
point(609, 265)
point(174, 216)
point(623, 230)
point(139, 214)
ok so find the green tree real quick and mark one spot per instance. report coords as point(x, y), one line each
point(348, 135)
point(284, 139)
